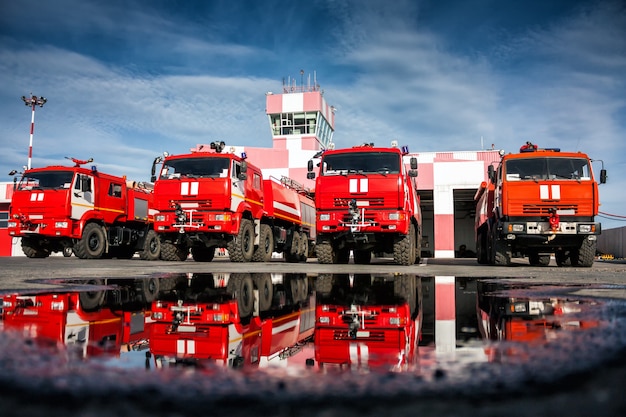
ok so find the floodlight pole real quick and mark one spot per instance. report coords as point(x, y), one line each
point(32, 101)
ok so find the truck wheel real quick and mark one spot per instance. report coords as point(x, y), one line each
point(481, 249)
point(585, 254)
point(202, 253)
point(404, 287)
point(263, 252)
point(92, 300)
point(304, 247)
point(326, 254)
point(294, 250)
point(67, 251)
point(151, 247)
point(241, 247)
point(242, 289)
point(404, 249)
point(538, 260)
point(172, 252)
point(264, 284)
point(501, 253)
point(362, 257)
point(32, 249)
point(562, 258)
point(150, 289)
point(93, 243)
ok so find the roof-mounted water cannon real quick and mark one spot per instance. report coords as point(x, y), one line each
point(218, 146)
point(79, 162)
point(528, 147)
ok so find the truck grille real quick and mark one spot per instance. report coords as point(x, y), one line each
point(544, 209)
point(373, 201)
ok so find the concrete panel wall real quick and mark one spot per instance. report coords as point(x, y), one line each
point(612, 241)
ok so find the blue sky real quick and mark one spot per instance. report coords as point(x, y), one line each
point(126, 80)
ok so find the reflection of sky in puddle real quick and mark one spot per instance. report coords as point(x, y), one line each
point(306, 326)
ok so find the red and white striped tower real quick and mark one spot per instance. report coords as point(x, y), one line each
point(32, 101)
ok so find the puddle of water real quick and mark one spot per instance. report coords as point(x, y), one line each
point(304, 335)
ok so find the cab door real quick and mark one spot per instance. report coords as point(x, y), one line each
point(83, 198)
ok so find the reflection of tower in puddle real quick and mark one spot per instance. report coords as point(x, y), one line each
point(445, 315)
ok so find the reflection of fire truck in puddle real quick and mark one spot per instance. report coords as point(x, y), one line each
point(100, 321)
point(528, 320)
point(236, 319)
point(368, 322)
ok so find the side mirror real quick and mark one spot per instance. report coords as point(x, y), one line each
point(413, 162)
point(491, 173)
point(310, 175)
point(309, 165)
point(603, 176)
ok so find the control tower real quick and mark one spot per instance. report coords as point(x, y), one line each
point(299, 117)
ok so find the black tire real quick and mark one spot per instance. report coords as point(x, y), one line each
point(363, 257)
point(304, 247)
point(173, 253)
point(481, 249)
point(242, 289)
point(562, 258)
point(501, 253)
point(326, 254)
point(92, 300)
point(32, 249)
point(293, 255)
point(404, 248)
point(151, 250)
point(92, 245)
point(241, 247)
point(263, 283)
point(404, 287)
point(202, 253)
point(263, 252)
point(150, 289)
point(585, 254)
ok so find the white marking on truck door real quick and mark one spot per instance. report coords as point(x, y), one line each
point(36, 197)
point(544, 192)
point(556, 192)
point(184, 188)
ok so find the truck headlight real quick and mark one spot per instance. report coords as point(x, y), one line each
point(60, 225)
point(159, 217)
point(324, 217)
point(11, 224)
point(516, 227)
point(585, 228)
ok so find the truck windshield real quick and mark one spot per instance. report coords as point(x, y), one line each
point(361, 162)
point(196, 168)
point(46, 180)
point(548, 169)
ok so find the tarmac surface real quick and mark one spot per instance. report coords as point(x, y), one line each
point(593, 387)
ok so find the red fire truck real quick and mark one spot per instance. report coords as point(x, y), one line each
point(98, 320)
point(538, 202)
point(531, 320)
point(367, 202)
point(215, 199)
point(65, 209)
point(368, 322)
point(214, 318)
